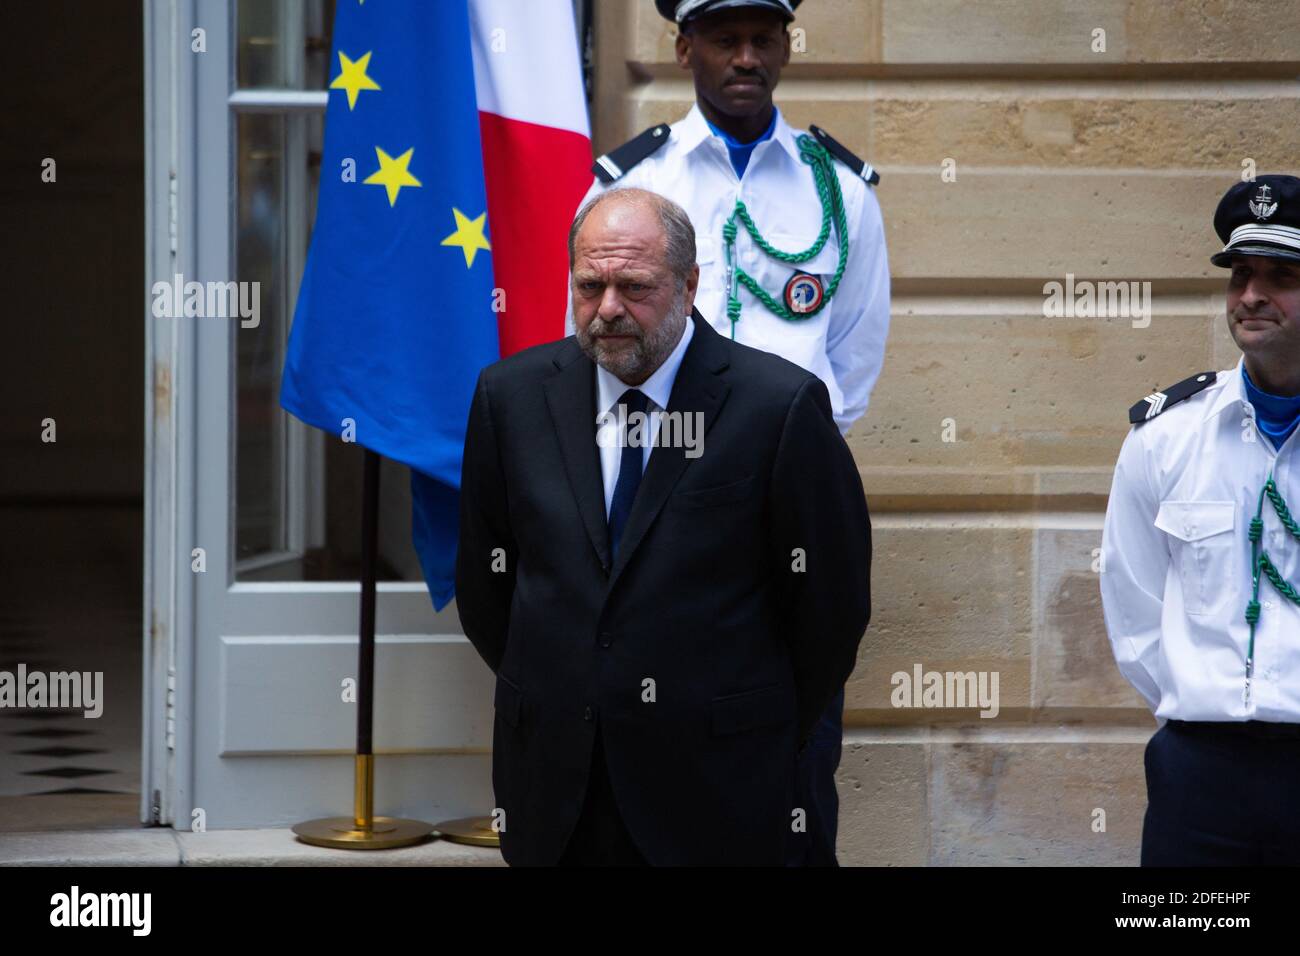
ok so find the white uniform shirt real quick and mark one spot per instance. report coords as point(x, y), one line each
point(610, 437)
point(844, 343)
point(1176, 571)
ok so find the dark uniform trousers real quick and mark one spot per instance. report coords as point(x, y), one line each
point(1222, 794)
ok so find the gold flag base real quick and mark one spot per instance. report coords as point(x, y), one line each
point(475, 831)
point(363, 830)
point(342, 833)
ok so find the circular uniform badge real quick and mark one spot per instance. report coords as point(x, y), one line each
point(803, 293)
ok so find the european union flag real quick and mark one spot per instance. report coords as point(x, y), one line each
point(394, 317)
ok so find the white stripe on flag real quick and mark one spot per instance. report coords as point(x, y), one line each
point(526, 64)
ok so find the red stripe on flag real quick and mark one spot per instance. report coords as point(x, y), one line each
point(536, 176)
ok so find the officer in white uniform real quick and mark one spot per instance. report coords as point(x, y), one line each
point(1201, 563)
point(791, 249)
point(836, 331)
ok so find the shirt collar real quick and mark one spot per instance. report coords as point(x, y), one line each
point(658, 387)
point(694, 130)
point(1232, 394)
point(1277, 414)
point(733, 144)
point(784, 134)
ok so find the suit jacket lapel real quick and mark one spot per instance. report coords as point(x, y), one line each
point(571, 398)
point(570, 395)
point(696, 389)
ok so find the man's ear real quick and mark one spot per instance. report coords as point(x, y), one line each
point(682, 47)
point(785, 61)
point(692, 286)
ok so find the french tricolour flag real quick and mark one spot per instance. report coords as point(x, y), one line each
point(536, 156)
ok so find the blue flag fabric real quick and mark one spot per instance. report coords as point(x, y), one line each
point(394, 317)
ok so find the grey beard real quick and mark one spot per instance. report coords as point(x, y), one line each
point(637, 362)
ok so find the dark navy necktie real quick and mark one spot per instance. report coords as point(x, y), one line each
point(629, 469)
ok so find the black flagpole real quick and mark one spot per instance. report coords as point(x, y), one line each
point(366, 644)
point(363, 830)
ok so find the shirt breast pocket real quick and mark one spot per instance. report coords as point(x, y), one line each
point(1202, 546)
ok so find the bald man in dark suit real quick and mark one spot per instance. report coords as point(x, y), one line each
point(668, 609)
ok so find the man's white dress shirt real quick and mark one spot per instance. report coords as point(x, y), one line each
point(609, 389)
point(844, 343)
point(1176, 562)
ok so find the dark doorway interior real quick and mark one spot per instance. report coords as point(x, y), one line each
point(71, 519)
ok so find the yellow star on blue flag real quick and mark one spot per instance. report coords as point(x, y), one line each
point(392, 173)
point(468, 235)
point(353, 77)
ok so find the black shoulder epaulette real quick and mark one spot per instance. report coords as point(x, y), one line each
point(841, 152)
point(615, 164)
point(1158, 402)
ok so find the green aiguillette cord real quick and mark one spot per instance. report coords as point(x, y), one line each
point(832, 200)
point(1261, 563)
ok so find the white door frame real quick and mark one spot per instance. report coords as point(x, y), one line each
point(169, 409)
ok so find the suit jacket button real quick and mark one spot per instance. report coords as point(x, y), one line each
point(587, 714)
point(606, 638)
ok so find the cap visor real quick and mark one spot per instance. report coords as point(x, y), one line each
point(1224, 259)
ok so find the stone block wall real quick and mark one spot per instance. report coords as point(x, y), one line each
point(988, 448)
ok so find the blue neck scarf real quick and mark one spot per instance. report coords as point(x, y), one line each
point(740, 152)
point(1277, 415)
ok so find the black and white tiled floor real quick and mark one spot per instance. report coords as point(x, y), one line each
point(71, 579)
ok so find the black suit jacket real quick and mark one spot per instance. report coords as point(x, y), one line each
point(708, 648)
